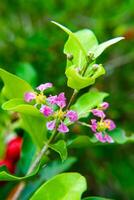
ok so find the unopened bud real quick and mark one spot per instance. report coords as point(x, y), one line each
point(69, 56)
point(91, 55)
point(95, 66)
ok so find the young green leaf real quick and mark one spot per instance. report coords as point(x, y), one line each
point(64, 187)
point(77, 81)
point(60, 147)
point(96, 198)
point(88, 101)
point(101, 47)
point(14, 87)
point(5, 176)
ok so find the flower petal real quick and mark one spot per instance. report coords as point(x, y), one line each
point(93, 125)
point(104, 105)
point(72, 115)
point(46, 110)
point(52, 99)
point(61, 100)
point(63, 128)
point(44, 86)
point(100, 137)
point(51, 125)
point(98, 113)
point(110, 125)
point(108, 138)
point(29, 96)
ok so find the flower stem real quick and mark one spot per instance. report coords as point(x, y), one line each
point(84, 124)
point(72, 98)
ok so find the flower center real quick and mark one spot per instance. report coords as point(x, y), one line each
point(40, 98)
point(59, 114)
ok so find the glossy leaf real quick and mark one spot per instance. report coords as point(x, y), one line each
point(14, 87)
point(5, 176)
point(77, 81)
point(64, 187)
point(120, 137)
point(88, 41)
point(32, 120)
point(96, 198)
point(60, 147)
point(101, 47)
point(51, 169)
point(88, 101)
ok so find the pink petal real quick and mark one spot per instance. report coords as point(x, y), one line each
point(72, 115)
point(93, 125)
point(104, 105)
point(44, 86)
point(109, 124)
point(51, 125)
point(29, 96)
point(98, 113)
point(46, 110)
point(63, 128)
point(61, 100)
point(52, 99)
point(100, 137)
point(108, 138)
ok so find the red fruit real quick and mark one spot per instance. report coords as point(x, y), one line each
point(14, 149)
point(8, 164)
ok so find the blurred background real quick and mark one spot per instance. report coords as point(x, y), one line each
point(32, 48)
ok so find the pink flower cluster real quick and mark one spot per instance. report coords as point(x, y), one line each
point(101, 127)
point(52, 108)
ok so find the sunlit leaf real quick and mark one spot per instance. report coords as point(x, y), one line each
point(64, 187)
point(14, 87)
point(60, 147)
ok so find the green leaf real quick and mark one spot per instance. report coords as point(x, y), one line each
point(78, 45)
point(77, 81)
point(5, 176)
point(60, 147)
point(101, 47)
point(32, 120)
point(119, 136)
point(51, 169)
point(88, 101)
point(14, 87)
point(64, 187)
point(96, 198)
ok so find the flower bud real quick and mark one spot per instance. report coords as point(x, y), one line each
point(69, 56)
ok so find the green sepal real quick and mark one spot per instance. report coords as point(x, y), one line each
point(77, 81)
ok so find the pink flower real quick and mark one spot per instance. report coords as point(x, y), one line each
point(52, 99)
point(29, 96)
point(104, 105)
point(51, 125)
point(44, 86)
point(46, 110)
point(61, 100)
point(63, 128)
point(72, 115)
point(98, 113)
point(93, 125)
point(109, 124)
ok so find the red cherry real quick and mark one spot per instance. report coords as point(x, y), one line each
point(14, 149)
point(8, 164)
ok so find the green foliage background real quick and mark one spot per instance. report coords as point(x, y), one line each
point(31, 47)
